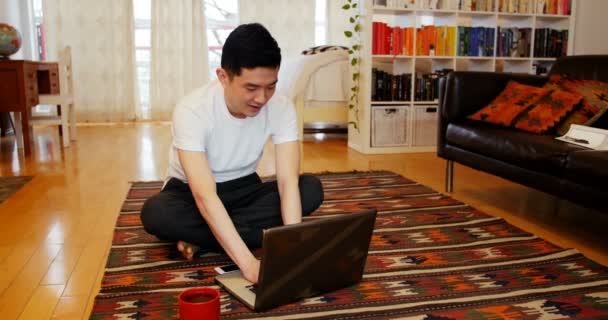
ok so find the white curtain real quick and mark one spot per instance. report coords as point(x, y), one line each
point(103, 58)
point(291, 22)
point(179, 53)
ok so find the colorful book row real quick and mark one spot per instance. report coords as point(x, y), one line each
point(430, 40)
point(472, 41)
point(392, 40)
point(475, 42)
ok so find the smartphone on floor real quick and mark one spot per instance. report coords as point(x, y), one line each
point(227, 268)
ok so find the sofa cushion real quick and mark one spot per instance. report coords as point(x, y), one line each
point(548, 111)
point(510, 103)
point(594, 92)
point(595, 101)
point(535, 152)
point(588, 167)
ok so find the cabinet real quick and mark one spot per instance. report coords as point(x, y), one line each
point(21, 82)
point(408, 44)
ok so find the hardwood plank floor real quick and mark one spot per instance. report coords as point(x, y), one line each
point(42, 303)
point(57, 230)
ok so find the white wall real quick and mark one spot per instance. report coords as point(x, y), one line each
point(19, 14)
point(337, 23)
point(590, 27)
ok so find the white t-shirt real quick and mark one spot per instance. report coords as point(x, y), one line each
point(233, 146)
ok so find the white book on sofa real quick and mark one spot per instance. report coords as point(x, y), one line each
point(593, 138)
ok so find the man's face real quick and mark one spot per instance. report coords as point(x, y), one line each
point(246, 94)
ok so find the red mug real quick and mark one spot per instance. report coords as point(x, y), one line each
point(199, 303)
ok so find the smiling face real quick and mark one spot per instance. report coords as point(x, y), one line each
point(246, 94)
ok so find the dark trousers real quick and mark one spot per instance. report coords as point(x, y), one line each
point(252, 205)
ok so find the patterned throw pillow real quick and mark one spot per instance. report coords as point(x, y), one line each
point(512, 101)
point(595, 101)
point(547, 112)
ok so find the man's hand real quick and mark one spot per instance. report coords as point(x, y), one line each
point(200, 180)
point(251, 271)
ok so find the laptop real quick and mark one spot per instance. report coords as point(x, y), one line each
point(306, 259)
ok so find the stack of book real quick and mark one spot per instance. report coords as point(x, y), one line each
point(392, 40)
point(476, 5)
point(550, 43)
point(514, 42)
point(390, 87)
point(475, 42)
point(516, 6)
point(427, 85)
point(435, 40)
point(560, 7)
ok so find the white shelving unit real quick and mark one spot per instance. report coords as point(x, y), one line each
point(419, 117)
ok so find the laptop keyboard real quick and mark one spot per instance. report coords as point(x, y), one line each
point(252, 287)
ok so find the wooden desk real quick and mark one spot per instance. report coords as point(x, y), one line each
point(21, 82)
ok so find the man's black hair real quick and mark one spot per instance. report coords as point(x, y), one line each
point(250, 46)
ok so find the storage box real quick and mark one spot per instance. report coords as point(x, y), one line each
point(389, 126)
point(425, 125)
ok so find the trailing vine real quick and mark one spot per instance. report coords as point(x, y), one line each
point(354, 35)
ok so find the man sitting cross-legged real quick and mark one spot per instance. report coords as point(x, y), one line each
point(212, 198)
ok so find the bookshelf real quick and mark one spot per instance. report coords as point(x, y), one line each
point(519, 36)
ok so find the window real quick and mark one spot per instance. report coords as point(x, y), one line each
point(222, 17)
point(320, 22)
point(41, 50)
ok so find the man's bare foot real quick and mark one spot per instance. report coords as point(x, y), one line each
point(188, 250)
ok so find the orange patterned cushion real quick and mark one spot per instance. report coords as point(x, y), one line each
point(512, 101)
point(548, 111)
point(594, 104)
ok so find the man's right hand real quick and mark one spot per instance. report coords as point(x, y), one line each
point(202, 184)
point(251, 271)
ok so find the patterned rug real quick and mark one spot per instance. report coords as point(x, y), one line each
point(10, 185)
point(431, 258)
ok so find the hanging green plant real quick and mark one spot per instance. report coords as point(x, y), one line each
point(354, 35)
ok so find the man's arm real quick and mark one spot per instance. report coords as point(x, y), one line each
point(202, 184)
point(287, 157)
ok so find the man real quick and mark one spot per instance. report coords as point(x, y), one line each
point(212, 198)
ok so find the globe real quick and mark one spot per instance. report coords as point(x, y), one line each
point(10, 40)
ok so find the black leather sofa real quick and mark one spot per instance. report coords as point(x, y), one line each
point(538, 161)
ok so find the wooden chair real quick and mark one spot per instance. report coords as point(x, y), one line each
point(64, 101)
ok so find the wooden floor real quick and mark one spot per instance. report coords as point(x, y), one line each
point(56, 231)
